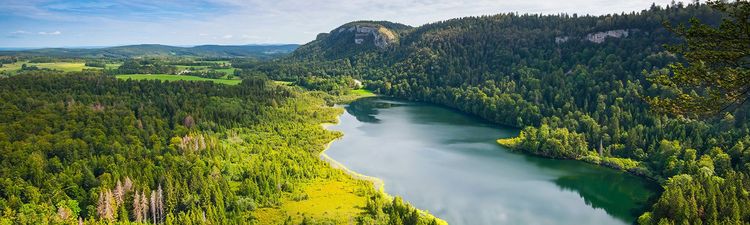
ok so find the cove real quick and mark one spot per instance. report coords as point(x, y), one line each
point(448, 163)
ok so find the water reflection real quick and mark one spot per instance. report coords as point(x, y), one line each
point(366, 109)
point(448, 163)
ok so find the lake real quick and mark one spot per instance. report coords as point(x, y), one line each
point(449, 164)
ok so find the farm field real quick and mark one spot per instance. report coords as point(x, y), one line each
point(63, 66)
point(168, 77)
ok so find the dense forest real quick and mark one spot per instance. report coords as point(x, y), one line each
point(576, 84)
point(83, 147)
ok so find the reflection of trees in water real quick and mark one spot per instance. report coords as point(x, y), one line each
point(365, 109)
point(620, 196)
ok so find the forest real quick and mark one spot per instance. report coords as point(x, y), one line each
point(81, 146)
point(86, 148)
point(575, 96)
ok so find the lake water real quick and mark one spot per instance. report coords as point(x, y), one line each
point(449, 164)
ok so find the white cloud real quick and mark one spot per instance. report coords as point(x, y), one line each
point(19, 32)
point(228, 36)
point(50, 33)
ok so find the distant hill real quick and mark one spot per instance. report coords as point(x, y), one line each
point(224, 51)
point(352, 38)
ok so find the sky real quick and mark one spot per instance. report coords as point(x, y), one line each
point(76, 23)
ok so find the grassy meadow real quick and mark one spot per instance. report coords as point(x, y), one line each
point(168, 77)
point(62, 66)
point(337, 201)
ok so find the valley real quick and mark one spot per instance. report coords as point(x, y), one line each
point(627, 117)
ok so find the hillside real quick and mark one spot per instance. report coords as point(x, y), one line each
point(576, 83)
point(86, 148)
point(129, 51)
point(354, 38)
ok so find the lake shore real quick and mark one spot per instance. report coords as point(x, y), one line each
point(377, 183)
point(512, 144)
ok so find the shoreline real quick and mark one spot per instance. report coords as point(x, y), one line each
point(511, 144)
point(377, 183)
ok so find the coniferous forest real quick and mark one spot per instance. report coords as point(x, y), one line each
point(86, 147)
point(575, 97)
point(620, 90)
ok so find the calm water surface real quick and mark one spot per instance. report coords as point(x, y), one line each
point(449, 164)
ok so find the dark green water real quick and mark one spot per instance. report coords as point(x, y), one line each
point(449, 164)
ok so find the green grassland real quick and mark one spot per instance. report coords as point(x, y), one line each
point(354, 95)
point(168, 77)
point(336, 201)
point(62, 66)
point(113, 65)
point(183, 67)
point(285, 83)
point(228, 71)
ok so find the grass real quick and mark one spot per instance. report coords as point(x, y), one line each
point(113, 65)
point(62, 66)
point(168, 77)
point(511, 143)
point(362, 92)
point(336, 201)
point(283, 83)
point(228, 71)
point(11, 67)
point(354, 95)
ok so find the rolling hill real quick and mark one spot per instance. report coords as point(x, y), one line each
point(150, 50)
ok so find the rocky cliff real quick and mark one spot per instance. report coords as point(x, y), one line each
point(355, 37)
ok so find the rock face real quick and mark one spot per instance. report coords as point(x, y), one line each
point(381, 37)
point(560, 40)
point(354, 38)
point(600, 37)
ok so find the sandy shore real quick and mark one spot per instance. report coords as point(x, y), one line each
point(377, 183)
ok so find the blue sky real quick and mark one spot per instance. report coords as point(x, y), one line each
point(56, 23)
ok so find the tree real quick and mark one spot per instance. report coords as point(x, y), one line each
point(717, 75)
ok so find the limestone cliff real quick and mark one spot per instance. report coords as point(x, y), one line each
point(355, 37)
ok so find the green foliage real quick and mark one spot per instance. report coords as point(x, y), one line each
point(145, 66)
point(333, 86)
point(717, 75)
point(555, 143)
point(701, 199)
point(95, 148)
point(168, 77)
point(577, 98)
point(381, 210)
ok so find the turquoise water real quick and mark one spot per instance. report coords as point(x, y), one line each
point(448, 163)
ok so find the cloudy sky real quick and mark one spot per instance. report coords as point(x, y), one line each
point(67, 23)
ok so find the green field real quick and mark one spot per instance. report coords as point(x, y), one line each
point(113, 65)
point(327, 200)
point(285, 83)
point(168, 77)
point(228, 71)
point(362, 92)
point(62, 66)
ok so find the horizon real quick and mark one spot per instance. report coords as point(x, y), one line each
point(80, 23)
point(3, 48)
